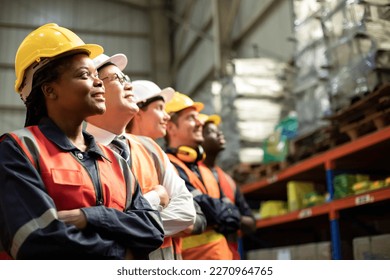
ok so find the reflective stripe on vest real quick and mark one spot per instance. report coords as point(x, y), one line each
point(165, 252)
point(177, 245)
point(201, 239)
point(228, 187)
point(149, 167)
point(209, 244)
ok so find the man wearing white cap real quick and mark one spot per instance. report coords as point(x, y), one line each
point(161, 186)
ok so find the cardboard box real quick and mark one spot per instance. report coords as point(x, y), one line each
point(372, 247)
point(296, 191)
point(260, 254)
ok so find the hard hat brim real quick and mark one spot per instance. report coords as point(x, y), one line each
point(167, 93)
point(198, 106)
point(120, 60)
point(210, 118)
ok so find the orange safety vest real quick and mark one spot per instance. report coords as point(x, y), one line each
point(66, 180)
point(148, 166)
point(228, 187)
point(209, 245)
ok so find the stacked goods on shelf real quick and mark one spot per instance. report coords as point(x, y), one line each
point(272, 208)
point(366, 115)
point(343, 184)
point(358, 48)
point(352, 184)
point(308, 251)
point(275, 146)
point(302, 194)
point(253, 99)
point(365, 186)
point(310, 90)
point(342, 54)
point(260, 103)
point(372, 247)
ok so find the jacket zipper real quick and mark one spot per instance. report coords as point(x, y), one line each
point(98, 189)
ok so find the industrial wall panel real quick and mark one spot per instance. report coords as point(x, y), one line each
point(111, 16)
point(137, 50)
point(247, 13)
point(195, 67)
point(86, 14)
point(8, 95)
point(11, 120)
point(10, 38)
point(191, 30)
point(271, 37)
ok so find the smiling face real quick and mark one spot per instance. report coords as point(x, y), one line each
point(186, 129)
point(78, 92)
point(153, 119)
point(119, 95)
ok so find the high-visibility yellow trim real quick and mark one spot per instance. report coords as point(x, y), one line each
point(201, 239)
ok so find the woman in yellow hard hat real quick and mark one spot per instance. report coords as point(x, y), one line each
point(63, 196)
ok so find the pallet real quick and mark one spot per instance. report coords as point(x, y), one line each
point(369, 114)
point(244, 173)
point(270, 169)
point(310, 144)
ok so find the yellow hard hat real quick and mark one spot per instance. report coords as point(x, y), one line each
point(180, 102)
point(47, 41)
point(210, 118)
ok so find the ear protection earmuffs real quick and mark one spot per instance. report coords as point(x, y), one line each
point(188, 154)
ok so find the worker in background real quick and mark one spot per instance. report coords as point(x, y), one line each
point(151, 121)
point(160, 184)
point(184, 137)
point(213, 144)
point(62, 195)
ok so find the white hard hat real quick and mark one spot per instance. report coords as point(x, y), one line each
point(119, 60)
point(144, 90)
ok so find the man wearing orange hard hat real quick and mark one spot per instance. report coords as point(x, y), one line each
point(184, 138)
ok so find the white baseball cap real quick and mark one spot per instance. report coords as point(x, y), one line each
point(119, 60)
point(144, 90)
